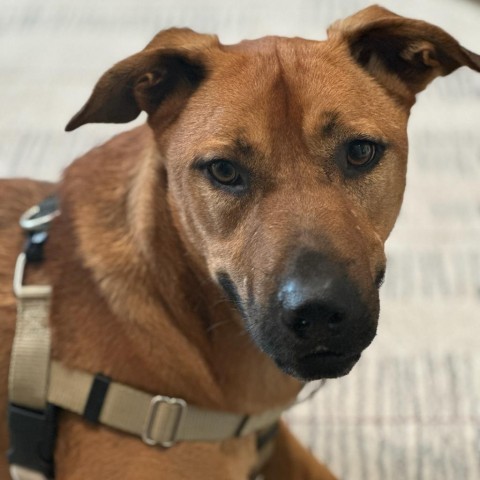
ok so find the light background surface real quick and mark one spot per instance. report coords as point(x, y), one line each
point(411, 409)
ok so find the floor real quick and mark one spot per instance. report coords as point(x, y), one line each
point(411, 409)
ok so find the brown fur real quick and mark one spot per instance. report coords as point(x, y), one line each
point(134, 256)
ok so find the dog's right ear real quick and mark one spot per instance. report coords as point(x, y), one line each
point(172, 65)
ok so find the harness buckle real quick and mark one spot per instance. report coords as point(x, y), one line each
point(179, 406)
point(32, 440)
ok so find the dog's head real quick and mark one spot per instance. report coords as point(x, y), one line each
point(286, 164)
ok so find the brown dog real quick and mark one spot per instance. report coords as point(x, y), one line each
point(271, 172)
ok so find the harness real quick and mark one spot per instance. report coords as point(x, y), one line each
point(39, 386)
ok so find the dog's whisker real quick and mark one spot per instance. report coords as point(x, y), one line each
point(218, 324)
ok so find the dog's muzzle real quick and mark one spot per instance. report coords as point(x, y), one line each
point(318, 321)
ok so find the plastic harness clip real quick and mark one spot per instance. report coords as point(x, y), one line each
point(32, 438)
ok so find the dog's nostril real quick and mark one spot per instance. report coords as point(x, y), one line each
point(300, 325)
point(335, 320)
point(305, 317)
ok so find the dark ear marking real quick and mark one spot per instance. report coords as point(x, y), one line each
point(174, 61)
point(402, 54)
point(174, 73)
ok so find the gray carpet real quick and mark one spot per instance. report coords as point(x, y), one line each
point(411, 409)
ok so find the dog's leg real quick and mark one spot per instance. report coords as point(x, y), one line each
point(290, 460)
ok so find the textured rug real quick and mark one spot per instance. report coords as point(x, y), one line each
point(411, 409)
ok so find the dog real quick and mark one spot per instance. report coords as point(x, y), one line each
point(232, 248)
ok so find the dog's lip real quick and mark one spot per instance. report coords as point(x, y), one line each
point(319, 363)
point(331, 361)
point(322, 352)
point(329, 364)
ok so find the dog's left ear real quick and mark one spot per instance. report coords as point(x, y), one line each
point(404, 55)
point(170, 67)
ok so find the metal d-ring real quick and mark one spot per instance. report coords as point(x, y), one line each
point(31, 223)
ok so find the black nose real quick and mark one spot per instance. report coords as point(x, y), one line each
point(317, 299)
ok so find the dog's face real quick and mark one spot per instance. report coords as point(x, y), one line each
point(286, 171)
point(286, 163)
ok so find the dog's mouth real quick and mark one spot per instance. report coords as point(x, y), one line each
point(321, 363)
point(324, 354)
point(332, 364)
point(315, 359)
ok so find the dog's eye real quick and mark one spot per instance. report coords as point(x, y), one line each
point(224, 172)
point(361, 153)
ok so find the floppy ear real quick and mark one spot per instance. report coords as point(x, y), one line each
point(172, 63)
point(404, 55)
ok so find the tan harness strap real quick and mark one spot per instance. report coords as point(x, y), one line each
point(29, 366)
point(159, 420)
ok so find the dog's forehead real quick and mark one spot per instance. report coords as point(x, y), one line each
point(272, 44)
point(306, 73)
point(279, 57)
point(276, 88)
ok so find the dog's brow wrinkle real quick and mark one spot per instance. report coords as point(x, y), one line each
point(331, 123)
point(232, 147)
point(244, 147)
point(282, 84)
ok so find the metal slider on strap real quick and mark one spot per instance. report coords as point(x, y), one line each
point(27, 291)
point(178, 405)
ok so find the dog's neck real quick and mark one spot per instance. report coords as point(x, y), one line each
point(132, 302)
